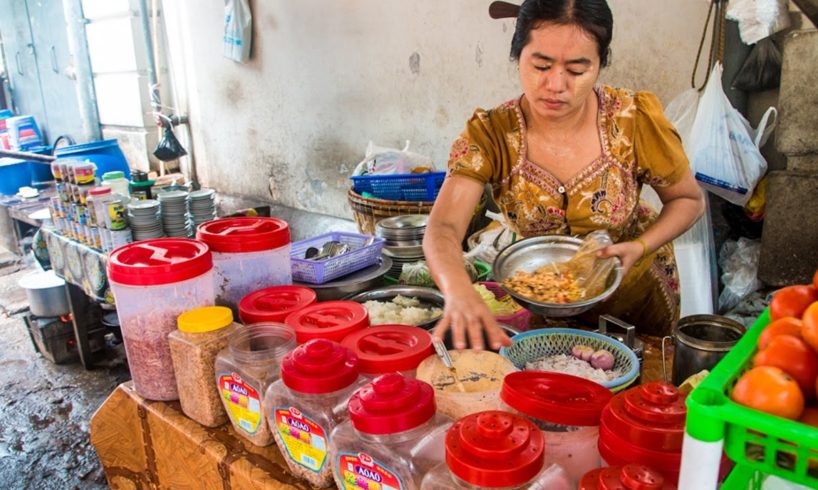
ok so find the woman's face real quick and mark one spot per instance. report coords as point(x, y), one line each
point(558, 69)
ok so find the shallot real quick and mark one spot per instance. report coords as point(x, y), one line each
point(602, 359)
point(583, 352)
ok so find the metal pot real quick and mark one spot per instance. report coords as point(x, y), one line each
point(700, 342)
point(46, 294)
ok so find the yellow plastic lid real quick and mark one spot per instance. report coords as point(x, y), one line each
point(205, 319)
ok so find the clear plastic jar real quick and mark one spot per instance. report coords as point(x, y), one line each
point(393, 437)
point(495, 449)
point(567, 409)
point(389, 348)
point(202, 334)
point(117, 182)
point(245, 369)
point(309, 400)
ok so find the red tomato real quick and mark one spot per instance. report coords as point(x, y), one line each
point(809, 326)
point(792, 301)
point(769, 390)
point(783, 326)
point(793, 356)
point(810, 416)
point(815, 280)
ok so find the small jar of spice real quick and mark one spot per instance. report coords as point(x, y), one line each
point(202, 333)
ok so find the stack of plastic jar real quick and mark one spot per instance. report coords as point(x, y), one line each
point(495, 449)
point(567, 409)
point(392, 438)
point(310, 400)
point(154, 282)
point(245, 369)
point(248, 254)
point(202, 334)
point(275, 303)
point(645, 425)
point(628, 477)
point(331, 320)
point(389, 348)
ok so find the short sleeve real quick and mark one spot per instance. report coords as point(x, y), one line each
point(474, 153)
point(660, 156)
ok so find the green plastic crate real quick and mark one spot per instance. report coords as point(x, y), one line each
point(752, 439)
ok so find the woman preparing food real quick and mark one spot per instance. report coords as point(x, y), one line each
point(567, 157)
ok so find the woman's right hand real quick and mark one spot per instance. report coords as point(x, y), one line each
point(468, 317)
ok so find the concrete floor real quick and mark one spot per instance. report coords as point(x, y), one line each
point(45, 408)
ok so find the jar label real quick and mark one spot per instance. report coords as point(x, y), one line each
point(241, 401)
point(305, 440)
point(359, 471)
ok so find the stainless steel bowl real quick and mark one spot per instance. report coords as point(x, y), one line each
point(532, 253)
point(404, 227)
point(428, 297)
point(362, 280)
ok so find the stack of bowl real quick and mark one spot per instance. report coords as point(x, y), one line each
point(404, 239)
point(174, 213)
point(144, 219)
point(202, 206)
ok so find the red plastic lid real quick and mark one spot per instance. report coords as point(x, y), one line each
point(236, 235)
point(392, 403)
point(98, 191)
point(555, 397)
point(628, 477)
point(331, 320)
point(273, 304)
point(495, 449)
point(388, 348)
point(650, 416)
point(319, 366)
point(160, 261)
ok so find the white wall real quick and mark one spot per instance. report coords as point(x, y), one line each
point(326, 76)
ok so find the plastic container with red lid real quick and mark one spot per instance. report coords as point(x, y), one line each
point(567, 409)
point(393, 431)
point(310, 399)
point(496, 449)
point(248, 254)
point(275, 303)
point(153, 282)
point(331, 320)
point(628, 477)
point(390, 348)
point(645, 426)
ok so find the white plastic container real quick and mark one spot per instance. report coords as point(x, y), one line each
point(248, 254)
point(153, 282)
point(97, 201)
point(310, 399)
point(495, 449)
point(117, 182)
point(567, 409)
point(394, 435)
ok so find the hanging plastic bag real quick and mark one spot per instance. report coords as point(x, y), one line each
point(380, 160)
point(681, 111)
point(238, 30)
point(723, 154)
point(739, 263)
point(758, 19)
point(762, 68)
point(169, 147)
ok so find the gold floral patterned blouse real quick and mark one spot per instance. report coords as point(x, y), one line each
point(639, 146)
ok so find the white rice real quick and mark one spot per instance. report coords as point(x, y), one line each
point(401, 310)
point(566, 364)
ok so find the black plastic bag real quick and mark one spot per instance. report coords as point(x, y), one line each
point(169, 147)
point(762, 68)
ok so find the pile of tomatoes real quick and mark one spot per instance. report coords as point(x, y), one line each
point(784, 377)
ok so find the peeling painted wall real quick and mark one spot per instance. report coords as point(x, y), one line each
point(326, 76)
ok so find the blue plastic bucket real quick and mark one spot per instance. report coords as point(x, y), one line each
point(105, 154)
point(14, 173)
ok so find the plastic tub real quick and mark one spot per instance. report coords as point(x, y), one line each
point(495, 449)
point(154, 282)
point(117, 182)
point(331, 320)
point(306, 404)
point(275, 303)
point(14, 174)
point(245, 369)
point(106, 154)
point(519, 319)
point(392, 438)
point(567, 409)
point(248, 254)
point(389, 348)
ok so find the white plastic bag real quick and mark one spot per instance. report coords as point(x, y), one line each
point(723, 154)
point(681, 111)
point(380, 160)
point(739, 263)
point(238, 30)
point(758, 19)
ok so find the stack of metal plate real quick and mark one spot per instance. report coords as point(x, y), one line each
point(144, 219)
point(174, 213)
point(202, 206)
point(404, 239)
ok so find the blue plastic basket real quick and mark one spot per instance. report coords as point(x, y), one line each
point(321, 271)
point(400, 187)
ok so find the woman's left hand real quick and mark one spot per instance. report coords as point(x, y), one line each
point(628, 253)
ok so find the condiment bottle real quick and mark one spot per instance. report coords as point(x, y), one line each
point(202, 334)
point(310, 399)
point(628, 477)
point(97, 205)
point(393, 435)
point(275, 303)
point(495, 449)
point(389, 348)
point(567, 409)
point(140, 186)
point(331, 320)
point(245, 369)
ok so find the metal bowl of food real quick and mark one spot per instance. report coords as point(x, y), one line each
point(427, 298)
point(532, 253)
